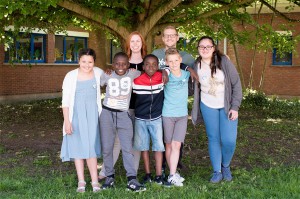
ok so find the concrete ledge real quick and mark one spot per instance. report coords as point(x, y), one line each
point(9, 99)
point(27, 97)
point(287, 97)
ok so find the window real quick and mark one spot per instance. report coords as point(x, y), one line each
point(282, 52)
point(67, 47)
point(27, 48)
point(114, 49)
point(284, 59)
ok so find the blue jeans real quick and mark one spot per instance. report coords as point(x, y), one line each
point(221, 133)
point(146, 129)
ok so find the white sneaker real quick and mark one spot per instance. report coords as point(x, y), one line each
point(181, 179)
point(174, 180)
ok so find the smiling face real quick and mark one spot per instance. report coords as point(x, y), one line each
point(86, 63)
point(206, 49)
point(120, 65)
point(173, 61)
point(150, 65)
point(170, 38)
point(136, 44)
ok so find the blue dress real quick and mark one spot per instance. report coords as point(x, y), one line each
point(84, 142)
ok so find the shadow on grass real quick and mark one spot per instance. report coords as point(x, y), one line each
point(267, 146)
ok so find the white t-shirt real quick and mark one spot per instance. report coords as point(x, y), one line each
point(212, 89)
point(118, 89)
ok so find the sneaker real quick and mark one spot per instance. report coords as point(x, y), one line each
point(147, 179)
point(134, 185)
point(160, 181)
point(226, 173)
point(217, 177)
point(109, 183)
point(167, 184)
point(181, 179)
point(175, 180)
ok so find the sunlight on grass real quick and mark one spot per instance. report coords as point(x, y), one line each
point(42, 160)
point(265, 164)
point(274, 120)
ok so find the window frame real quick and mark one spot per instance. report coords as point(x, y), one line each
point(113, 50)
point(274, 52)
point(31, 45)
point(64, 61)
point(281, 63)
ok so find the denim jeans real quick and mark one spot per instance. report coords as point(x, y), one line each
point(221, 133)
point(146, 129)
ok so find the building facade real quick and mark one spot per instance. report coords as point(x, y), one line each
point(46, 58)
point(267, 70)
point(40, 62)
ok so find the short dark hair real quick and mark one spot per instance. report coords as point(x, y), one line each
point(87, 51)
point(120, 54)
point(150, 56)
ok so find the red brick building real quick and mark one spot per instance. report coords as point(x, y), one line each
point(43, 79)
point(281, 76)
point(51, 60)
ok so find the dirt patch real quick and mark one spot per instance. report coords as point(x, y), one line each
point(31, 135)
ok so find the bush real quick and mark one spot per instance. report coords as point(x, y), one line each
point(271, 107)
point(255, 99)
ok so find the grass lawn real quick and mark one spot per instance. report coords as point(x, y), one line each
point(266, 163)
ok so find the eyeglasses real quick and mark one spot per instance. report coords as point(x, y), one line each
point(170, 36)
point(205, 47)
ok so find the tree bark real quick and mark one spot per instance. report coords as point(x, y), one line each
point(262, 77)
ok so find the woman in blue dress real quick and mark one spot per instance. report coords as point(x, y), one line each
point(81, 104)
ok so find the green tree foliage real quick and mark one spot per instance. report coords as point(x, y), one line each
point(120, 17)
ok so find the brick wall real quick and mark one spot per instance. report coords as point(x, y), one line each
point(99, 43)
point(48, 77)
point(21, 79)
point(278, 80)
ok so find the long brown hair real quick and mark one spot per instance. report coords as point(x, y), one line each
point(216, 56)
point(144, 46)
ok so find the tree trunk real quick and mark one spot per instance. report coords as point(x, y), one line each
point(149, 42)
point(262, 77)
point(251, 78)
point(238, 65)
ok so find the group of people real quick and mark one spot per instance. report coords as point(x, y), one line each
point(146, 102)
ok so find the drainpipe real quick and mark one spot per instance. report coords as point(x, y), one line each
point(225, 46)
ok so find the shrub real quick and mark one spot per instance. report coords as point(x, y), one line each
point(255, 99)
point(271, 107)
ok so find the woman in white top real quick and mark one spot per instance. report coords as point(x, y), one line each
point(219, 97)
point(81, 104)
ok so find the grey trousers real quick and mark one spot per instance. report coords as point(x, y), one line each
point(116, 152)
point(112, 123)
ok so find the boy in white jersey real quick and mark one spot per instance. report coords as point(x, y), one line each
point(114, 119)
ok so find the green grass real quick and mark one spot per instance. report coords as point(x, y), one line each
point(275, 182)
point(265, 164)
